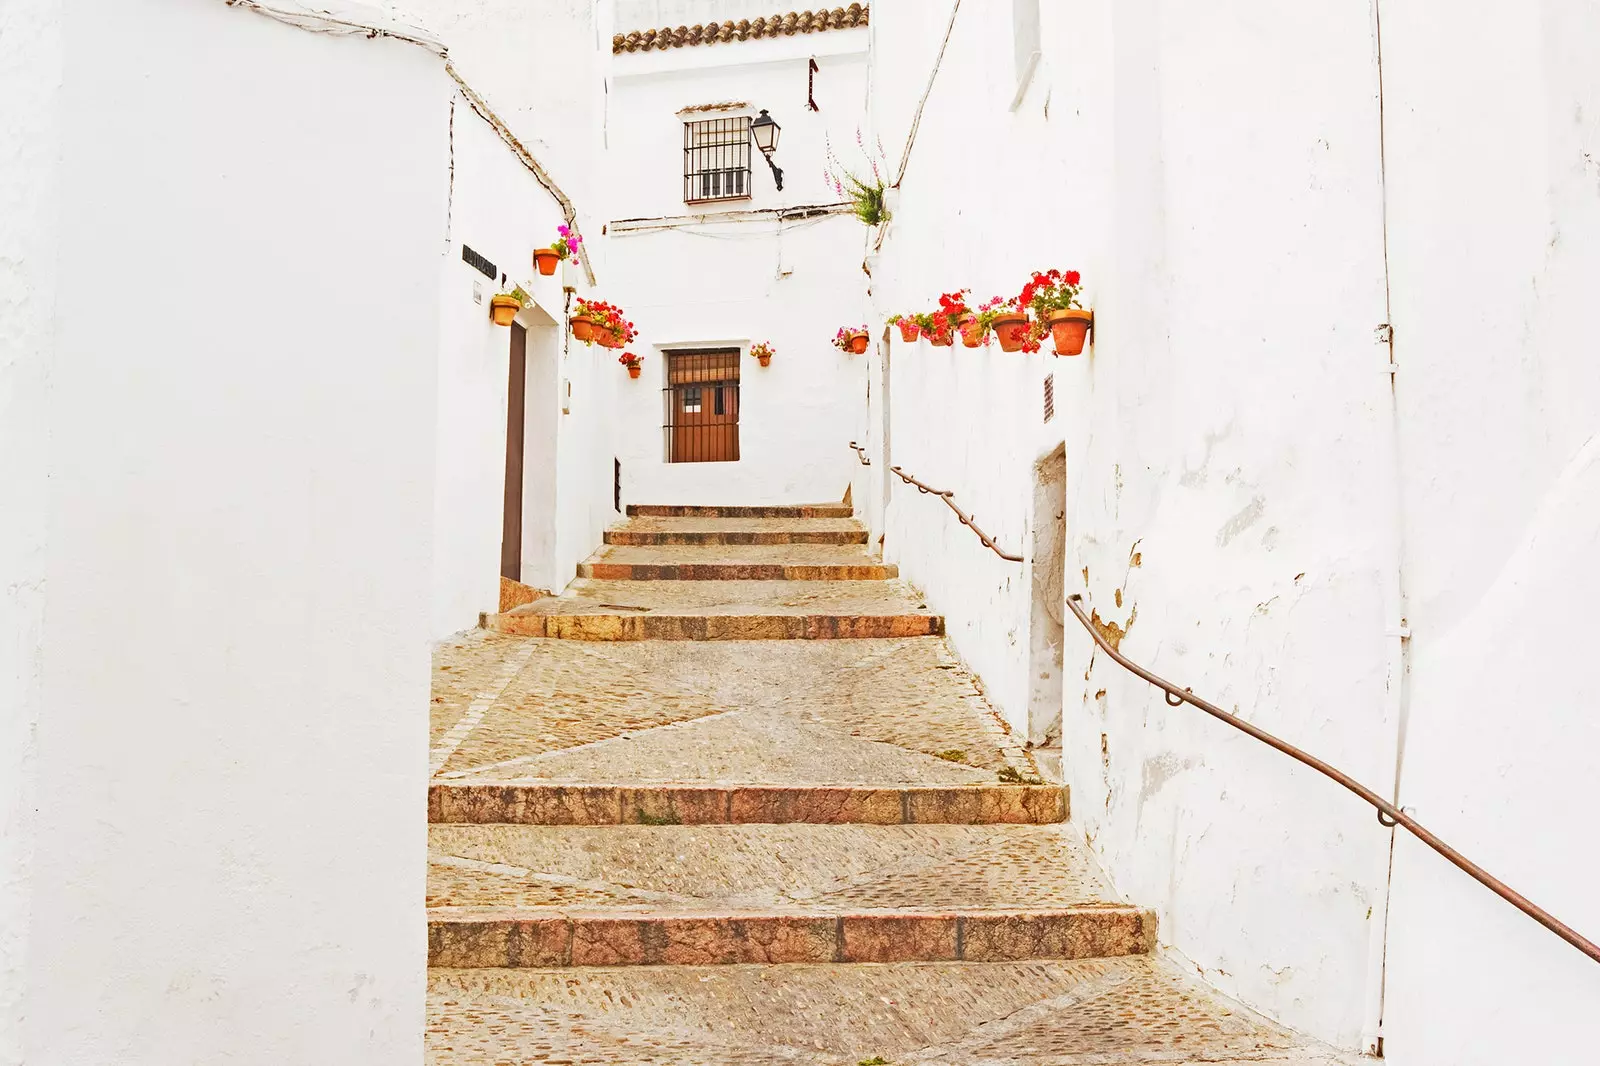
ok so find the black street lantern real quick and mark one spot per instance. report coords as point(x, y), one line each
point(765, 132)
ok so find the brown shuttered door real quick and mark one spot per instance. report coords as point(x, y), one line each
point(702, 402)
point(516, 393)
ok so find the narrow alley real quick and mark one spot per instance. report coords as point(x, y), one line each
point(747, 807)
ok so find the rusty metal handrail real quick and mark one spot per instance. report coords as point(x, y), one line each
point(1388, 814)
point(965, 518)
point(861, 453)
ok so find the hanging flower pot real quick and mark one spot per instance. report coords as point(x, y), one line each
point(941, 338)
point(607, 337)
point(546, 259)
point(1012, 330)
point(972, 332)
point(851, 340)
point(762, 352)
point(634, 363)
point(503, 308)
point(1070, 328)
point(908, 327)
point(582, 330)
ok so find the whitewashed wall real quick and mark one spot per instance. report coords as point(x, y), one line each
point(500, 210)
point(232, 666)
point(1496, 258)
point(1225, 441)
point(30, 114)
point(728, 283)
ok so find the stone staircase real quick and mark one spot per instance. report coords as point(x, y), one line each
point(730, 798)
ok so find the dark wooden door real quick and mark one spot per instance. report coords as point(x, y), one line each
point(516, 397)
point(702, 398)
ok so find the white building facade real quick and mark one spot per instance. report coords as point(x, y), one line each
point(709, 257)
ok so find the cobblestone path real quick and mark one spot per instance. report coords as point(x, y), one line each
point(730, 799)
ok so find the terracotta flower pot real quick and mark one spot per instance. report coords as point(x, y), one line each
point(634, 369)
point(1012, 330)
point(607, 337)
point(582, 330)
point(545, 259)
point(971, 332)
point(908, 331)
point(1070, 328)
point(858, 343)
point(503, 309)
point(764, 360)
point(941, 340)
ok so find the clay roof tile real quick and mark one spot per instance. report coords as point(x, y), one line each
point(781, 25)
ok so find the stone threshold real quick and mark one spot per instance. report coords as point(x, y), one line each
point(604, 626)
point(659, 537)
point(806, 510)
point(738, 571)
point(460, 938)
point(537, 803)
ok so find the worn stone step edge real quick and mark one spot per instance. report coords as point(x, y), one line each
point(482, 939)
point(536, 803)
point(606, 571)
point(628, 626)
point(806, 510)
point(644, 538)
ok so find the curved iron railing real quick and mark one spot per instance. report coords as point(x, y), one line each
point(1388, 814)
point(861, 453)
point(966, 519)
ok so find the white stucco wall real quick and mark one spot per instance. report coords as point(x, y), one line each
point(1224, 440)
point(30, 112)
point(500, 210)
point(1495, 258)
point(239, 444)
point(791, 282)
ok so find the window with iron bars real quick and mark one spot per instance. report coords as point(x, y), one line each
point(716, 159)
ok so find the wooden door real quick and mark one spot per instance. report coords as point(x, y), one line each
point(516, 395)
point(702, 400)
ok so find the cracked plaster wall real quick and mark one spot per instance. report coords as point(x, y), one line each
point(1224, 441)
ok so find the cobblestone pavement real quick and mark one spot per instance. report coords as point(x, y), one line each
point(646, 784)
point(1123, 1011)
point(760, 712)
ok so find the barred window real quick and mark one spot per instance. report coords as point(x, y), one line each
point(716, 159)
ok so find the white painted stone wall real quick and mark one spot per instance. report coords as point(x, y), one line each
point(1225, 441)
point(230, 666)
point(730, 283)
point(500, 210)
point(1237, 488)
point(1494, 206)
point(30, 113)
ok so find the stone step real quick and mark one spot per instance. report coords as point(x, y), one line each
point(654, 938)
point(804, 510)
point(754, 562)
point(664, 895)
point(490, 802)
point(724, 610)
point(686, 531)
point(1132, 1011)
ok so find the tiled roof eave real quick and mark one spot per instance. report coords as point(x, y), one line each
point(783, 25)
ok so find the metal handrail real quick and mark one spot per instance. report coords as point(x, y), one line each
point(1388, 814)
point(861, 453)
point(965, 518)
